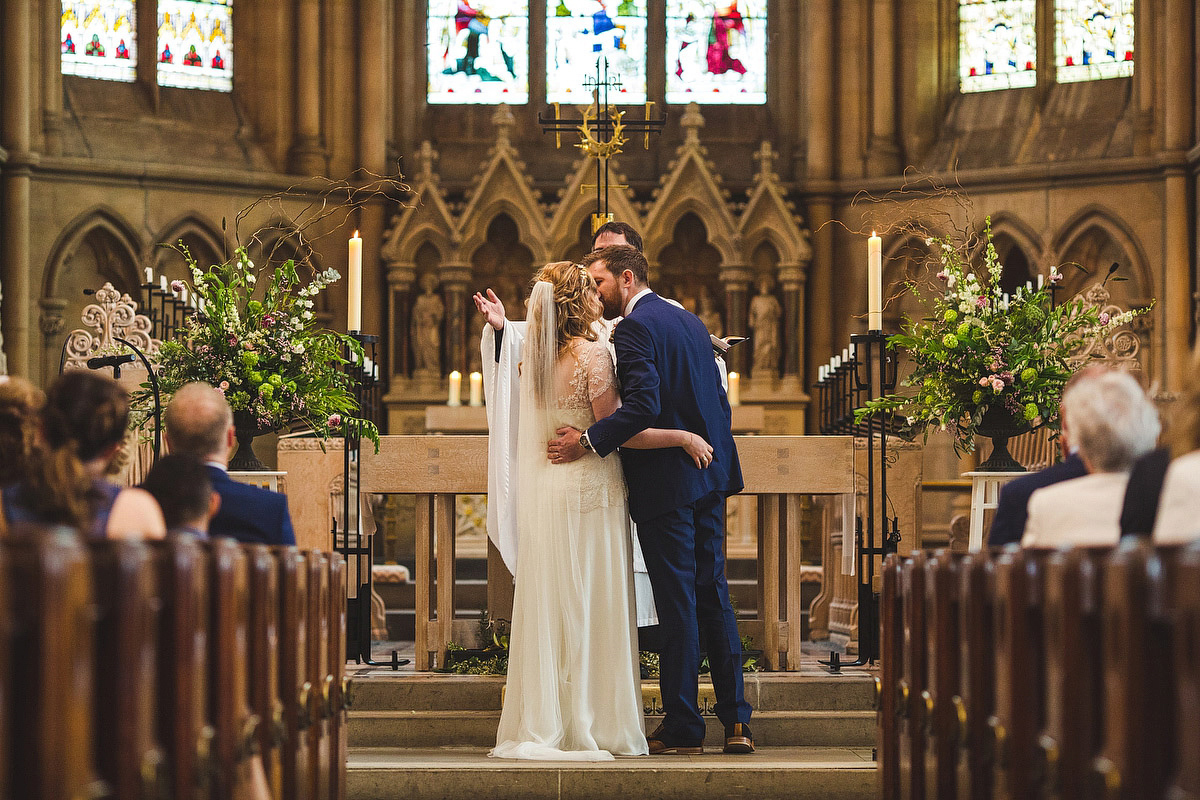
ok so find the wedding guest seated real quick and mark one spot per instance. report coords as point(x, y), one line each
point(1012, 509)
point(180, 484)
point(82, 428)
point(1179, 507)
point(20, 402)
point(200, 422)
point(1113, 423)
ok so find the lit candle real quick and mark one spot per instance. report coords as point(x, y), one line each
point(354, 287)
point(149, 275)
point(735, 391)
point(476, 389)
point(455, 398)
point(162, 282)
point(874, 283)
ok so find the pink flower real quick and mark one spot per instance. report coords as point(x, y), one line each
point(223, 386)
point(1104, 318)
point(981, 301)
point(335, 420)
point(984, 381)
point(997, 385)
point(943, 275)
point(176, 286)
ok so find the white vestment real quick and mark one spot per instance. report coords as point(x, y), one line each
point(502, 390)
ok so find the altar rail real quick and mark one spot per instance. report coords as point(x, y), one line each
point(779, 470)
point(169, 669)
point(1072, 674)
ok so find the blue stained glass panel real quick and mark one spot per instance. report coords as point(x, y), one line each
point(195, 44)
point(997, 44)
point(98, 40)
point(478, 51)
point(1093, 39)
point(579, 33)
point(716, 52)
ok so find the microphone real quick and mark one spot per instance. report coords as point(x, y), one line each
point(1116, 265)
point(100, 362)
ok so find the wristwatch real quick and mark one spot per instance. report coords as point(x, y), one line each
point(585, 442)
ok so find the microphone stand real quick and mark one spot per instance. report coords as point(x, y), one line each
point(153, 389)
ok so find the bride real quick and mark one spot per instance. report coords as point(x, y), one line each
point(573, 690)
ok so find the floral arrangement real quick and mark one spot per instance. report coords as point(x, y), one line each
point(981, 349)
point(261, 348)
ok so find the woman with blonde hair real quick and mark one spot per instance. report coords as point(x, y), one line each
point(82, 429)
point(573, 689)
point(20, 402)
point(1178, 517)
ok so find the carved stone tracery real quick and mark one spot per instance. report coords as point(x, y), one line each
point(113, 315)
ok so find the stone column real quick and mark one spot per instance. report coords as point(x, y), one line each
point(791, 281)
point(410, 70)
point(1179, 47)
point(17, 177)
point(883, 154)
point(736, 281)
point(52, 125)
point(456, 280)
point(400, 277)
point(52, 323)
point(307, 155)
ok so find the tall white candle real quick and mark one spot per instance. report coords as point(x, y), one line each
point(735, 389)
point(149, 275)
point(874, 283)
point(845, 354)
point(476, 389)
point(162, 282)
point(354, 286)
point(455, 398)
point(183, 295)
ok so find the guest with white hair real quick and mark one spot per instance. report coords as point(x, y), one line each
point(1113, 423)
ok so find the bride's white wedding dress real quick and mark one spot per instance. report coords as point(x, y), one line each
point(573, 690)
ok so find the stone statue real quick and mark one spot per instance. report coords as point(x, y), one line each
point(425, 329)
point(765, 312)
point(708, 313)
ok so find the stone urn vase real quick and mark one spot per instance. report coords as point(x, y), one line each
point(246, 429)
point(999, 424)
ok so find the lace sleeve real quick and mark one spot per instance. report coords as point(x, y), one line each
point(601, 376)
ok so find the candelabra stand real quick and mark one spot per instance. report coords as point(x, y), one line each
point(869, 372)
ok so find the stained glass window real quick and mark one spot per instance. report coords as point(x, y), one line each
point(478, 51)
point(97, 39)
point(195, 44)
point(1094, 39)
point(997, 44)
point(579, 32)
point(716, 52)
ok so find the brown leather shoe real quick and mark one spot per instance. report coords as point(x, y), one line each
point(738, 739)
point(660, 746)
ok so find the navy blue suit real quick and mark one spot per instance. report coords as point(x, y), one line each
point(1012, 507)
point(669, 380)
point(248, 513)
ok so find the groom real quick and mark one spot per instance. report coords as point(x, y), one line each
point(669, 380)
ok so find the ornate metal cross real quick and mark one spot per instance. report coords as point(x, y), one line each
point(602, 130)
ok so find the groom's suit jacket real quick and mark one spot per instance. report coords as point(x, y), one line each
point(668, 380)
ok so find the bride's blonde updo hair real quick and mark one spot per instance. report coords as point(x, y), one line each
point(575, 305)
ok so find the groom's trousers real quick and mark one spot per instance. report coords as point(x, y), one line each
point(685, 556)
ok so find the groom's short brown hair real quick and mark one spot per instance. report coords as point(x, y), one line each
point(618, 258)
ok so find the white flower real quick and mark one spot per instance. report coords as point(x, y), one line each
point(306, 316)
point(251, 279)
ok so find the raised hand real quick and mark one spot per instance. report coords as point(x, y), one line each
point(491, 308)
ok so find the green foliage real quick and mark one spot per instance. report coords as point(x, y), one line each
point(978, 348)
point(263, 350)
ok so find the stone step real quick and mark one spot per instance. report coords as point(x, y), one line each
point(796, 773)
point(809, 691)
point(407, 729)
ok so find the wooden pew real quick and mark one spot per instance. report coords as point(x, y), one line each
point(943, 637)
point(339, 700)
point(912, 699)
point(319, 764)
point(181, 566)
point(125, 591)
point(977, 677)
point(1136, 760)
point(49, 585)
point(1074, 675)
point(1020, 672)
point(264, 648)
point(890, 670)
point(294, 686)
point(1186, 782)
point(6, 647)
point(233, 725)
